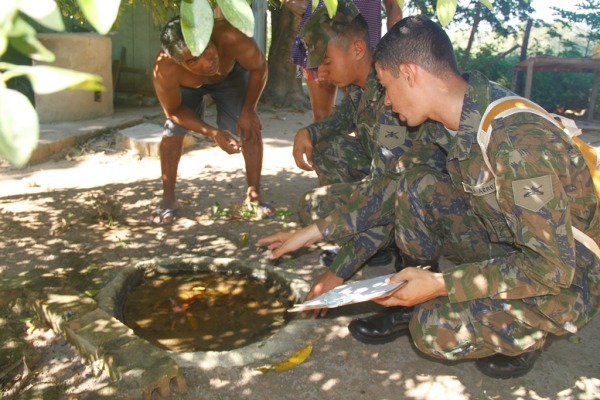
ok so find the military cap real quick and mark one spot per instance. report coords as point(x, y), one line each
point(319, 29)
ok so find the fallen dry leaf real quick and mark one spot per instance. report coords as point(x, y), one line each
point(294, 360)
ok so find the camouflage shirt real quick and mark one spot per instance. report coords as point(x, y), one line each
point(538, 190)
point(384, 139)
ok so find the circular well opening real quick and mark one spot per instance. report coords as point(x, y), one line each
point(247, 302)
point(206, 310)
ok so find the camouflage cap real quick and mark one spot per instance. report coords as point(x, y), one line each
point(319, 29)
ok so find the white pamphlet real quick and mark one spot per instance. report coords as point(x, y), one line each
point(350, 293)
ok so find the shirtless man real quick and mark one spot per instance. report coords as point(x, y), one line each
point(231, 69)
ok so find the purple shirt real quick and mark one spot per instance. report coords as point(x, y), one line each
point(370, 10)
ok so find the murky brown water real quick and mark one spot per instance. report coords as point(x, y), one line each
point(206, 310)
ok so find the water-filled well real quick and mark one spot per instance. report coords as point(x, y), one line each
point(209, 312)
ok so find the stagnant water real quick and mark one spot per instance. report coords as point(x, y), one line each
point(206, 311)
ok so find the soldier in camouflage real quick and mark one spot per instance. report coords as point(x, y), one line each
point(354, 206)
point(508, 216)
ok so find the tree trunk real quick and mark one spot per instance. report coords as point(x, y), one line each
point(518, 77)
point(525, 44)
point(283, 88)
point(498, 58)
point(476, 19)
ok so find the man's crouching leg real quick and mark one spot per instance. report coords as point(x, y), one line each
point(443, 331)
point(392, 322)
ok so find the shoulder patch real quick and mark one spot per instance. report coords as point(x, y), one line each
point(480, 190)
point(533, 193)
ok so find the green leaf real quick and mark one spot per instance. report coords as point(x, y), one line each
point(23, 38)
point(239, 14)
point(3, 43)
point(47, 79)
point(100, 13)
point(19, 127)
point(331, 6)
point(45, 12)
point(30, 46)
point(446, 10)
point(314, 4)
point(8, 10)
point(197, 20)
point(489, 4)
point(400, 4)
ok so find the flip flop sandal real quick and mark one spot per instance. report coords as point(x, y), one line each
point(170, 214)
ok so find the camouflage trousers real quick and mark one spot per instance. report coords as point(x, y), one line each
point(342, 166)
point(340, 159)
point(434, 219)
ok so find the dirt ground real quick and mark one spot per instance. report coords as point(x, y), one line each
point(83, 216)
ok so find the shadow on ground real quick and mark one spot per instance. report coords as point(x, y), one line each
point(78, 222)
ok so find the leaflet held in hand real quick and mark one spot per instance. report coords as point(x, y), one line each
point(355, 292)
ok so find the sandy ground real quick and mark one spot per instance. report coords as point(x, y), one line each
point(83, 216)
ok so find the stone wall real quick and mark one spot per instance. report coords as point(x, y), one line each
point(84, 52)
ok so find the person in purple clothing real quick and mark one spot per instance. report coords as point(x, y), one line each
point(322, 94)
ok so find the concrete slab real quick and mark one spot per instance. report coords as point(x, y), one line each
point(57, 137)
point(145, 139)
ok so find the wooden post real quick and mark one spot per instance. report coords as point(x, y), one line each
point(590, 115)
point(529, 79)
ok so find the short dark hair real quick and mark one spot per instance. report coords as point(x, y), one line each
point(420, 41)
point(320, 29)
point(171, 39)
point(357, 28)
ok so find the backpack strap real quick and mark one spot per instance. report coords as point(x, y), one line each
point(513, 104)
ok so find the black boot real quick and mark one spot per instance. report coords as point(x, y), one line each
point(327, 256)
point(504, 367)
point(382, 327)
point(381, 258)
point(403, 261)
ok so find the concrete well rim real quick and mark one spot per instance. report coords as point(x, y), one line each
point(293, 335)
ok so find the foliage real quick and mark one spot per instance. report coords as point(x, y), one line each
point(499, 16)
point(555, 92)
point(500, 71)
point(159, 9)
point(446, 10)
point(19, 127)
point(588, 13)
point(19, 123)
point(197, 21)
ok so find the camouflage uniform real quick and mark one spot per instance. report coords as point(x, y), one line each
point(519, 274)
point(355, 206)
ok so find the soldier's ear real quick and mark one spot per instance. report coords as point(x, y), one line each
point(358, 48)
point(407, 72)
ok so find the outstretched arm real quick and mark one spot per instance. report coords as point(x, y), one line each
point(288, 241)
